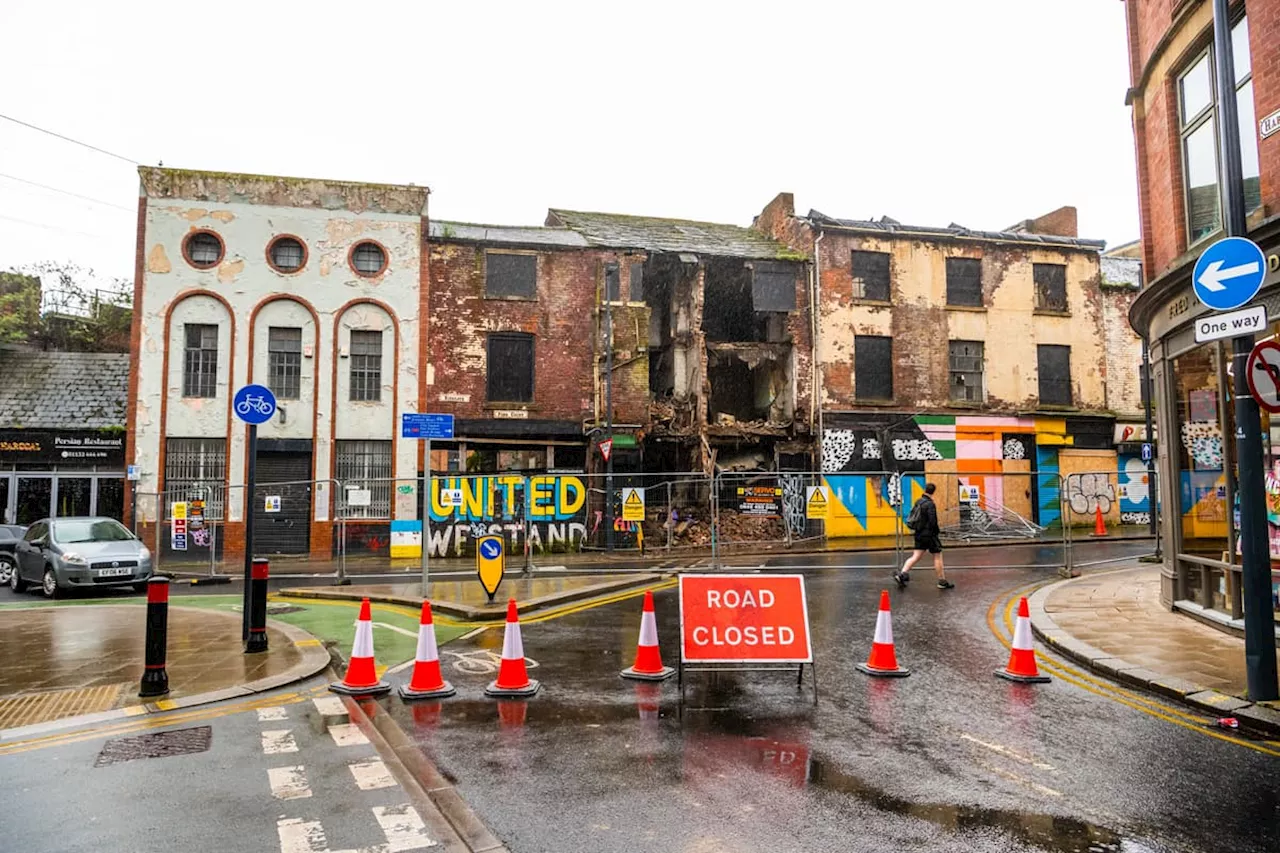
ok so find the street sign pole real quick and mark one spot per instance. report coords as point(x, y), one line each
point(1153, 488)
point(1259, 618)
point(425, 426)
point(426, 519)
point(251, 476)
point(608, 414)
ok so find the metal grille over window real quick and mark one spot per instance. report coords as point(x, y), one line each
point(1051, 286)
point(204, 249)
point(195, 469)
point(200, 361)
point(871, 276)
point(286, 254)
point(368, 258)
point(966, 371)
point(964, 282)
point(872, 367)
point(366, 366)
point(510, 368)
point(1054, 363)
point(364, 469)
point(284, 370)
point(510, 275)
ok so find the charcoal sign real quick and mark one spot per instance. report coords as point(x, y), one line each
point(61, 447)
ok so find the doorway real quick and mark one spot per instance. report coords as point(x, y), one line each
point(282, 502)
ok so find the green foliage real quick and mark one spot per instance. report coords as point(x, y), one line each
point(67, 313)
point(19, 306)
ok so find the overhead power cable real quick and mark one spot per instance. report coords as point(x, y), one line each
point(66, 192)
point(69, 139)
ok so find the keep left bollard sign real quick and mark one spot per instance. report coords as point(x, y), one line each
point(744, 619)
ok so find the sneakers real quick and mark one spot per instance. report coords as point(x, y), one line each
point(946, 584)
point(902, 579)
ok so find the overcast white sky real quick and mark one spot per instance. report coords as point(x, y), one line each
point(982, 113)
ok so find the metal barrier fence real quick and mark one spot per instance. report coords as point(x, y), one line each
point(758, 508)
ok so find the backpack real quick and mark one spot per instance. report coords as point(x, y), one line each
point(914, 517)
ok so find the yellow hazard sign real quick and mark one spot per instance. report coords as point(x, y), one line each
point(632, 504)
point(817, 502)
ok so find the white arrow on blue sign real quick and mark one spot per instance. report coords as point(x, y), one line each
point(1229, 273)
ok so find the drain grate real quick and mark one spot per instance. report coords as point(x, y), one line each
point(31, 708)
point(160, 745)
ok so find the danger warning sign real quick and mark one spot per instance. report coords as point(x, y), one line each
point(632, 504)
point(744, 619)
point(817, 503)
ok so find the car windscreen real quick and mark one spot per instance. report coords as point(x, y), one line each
point(90, 530)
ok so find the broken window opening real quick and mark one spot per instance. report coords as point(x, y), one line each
point(1051, 286)
point(966, 371)
point(612, 283)
point(749, 384)
point(871, 276)
point(728, 312)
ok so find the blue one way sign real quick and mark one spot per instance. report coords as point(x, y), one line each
point(1229, 273)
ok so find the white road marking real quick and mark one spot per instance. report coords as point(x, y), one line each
point(266, 715)
point(395, 628)
point(276, 741)
point(403, 827)
point(371, 775)
point(1014, 777)
point(1009, 753)
point(307, 836)
point(288, 783)
point(346, 734)
point(330, 706)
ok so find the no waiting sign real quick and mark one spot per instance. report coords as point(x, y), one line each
point(744, 619)
point(1263, 373)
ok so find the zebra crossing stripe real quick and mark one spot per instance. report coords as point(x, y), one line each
point(288, 783)
point(403, 827)
point(277, 741)
point(346, 734)
point(371, 775)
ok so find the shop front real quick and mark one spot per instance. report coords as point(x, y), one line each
point(60, 473)
point(1197, 463)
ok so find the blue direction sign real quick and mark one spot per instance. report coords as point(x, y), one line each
point(428, 426)
point(1229, 273)
point(254, 404)
point(490, 563)
point(1147, 451)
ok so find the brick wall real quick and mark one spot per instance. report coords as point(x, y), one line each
point(1121, 281)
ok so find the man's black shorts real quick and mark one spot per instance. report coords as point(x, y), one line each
point(928, 542)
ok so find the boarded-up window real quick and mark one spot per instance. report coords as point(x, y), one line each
point(1051, 286)
point(964, 282)
point(612, 282)
point(637, 282)
point(1054, 364)
point(773, 286)
point(966, 371)
point(871, 276)
point(507, 275)
point(510, 368)
point(872, 367)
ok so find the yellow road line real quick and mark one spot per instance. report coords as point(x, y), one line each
point(1108, 691)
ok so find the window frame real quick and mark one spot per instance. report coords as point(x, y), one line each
point(953, 371)
point(854, 277)
point(1040, 376)
point(275, 371)
point(351, 258)
point(981, 303)
point(363, 370)
point(488, 367)
point(208, 471)
point(275, 241)
point(207, 365)
point(186, 248)
point(1035, 286)
point(858, 394)
point(532, 296)
point(377, 473)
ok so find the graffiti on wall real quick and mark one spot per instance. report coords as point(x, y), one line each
point(543, 514)
point(1203, 442)
point(793, 504)
point(1089, 492)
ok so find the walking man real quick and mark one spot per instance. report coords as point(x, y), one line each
point(923, 522)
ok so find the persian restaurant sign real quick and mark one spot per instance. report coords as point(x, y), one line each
point(61, 447)
point(744, 619)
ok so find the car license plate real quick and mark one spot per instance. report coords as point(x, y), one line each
point(108, 573)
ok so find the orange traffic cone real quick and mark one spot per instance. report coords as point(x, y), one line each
point(883, 661)
point(427, 682)
point(1022, 659)
point(648, 665)
point(362, 678)
point(1099, 526)
point(513, 679)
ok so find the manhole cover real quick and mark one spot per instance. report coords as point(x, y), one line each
point(177, 742)
point(30, 708)
point(284, 608)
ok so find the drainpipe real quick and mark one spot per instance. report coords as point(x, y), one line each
point(814, 335)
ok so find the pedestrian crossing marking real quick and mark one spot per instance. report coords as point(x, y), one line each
point(277, 741)
point(288, 783)
point(371, 775)
point(345, 734)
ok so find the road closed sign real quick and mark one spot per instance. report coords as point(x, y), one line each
point(744, 619)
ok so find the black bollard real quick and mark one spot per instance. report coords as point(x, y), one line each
point(257, 641)
point(155, 680)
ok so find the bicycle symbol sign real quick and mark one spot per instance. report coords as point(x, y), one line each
point(254, 404)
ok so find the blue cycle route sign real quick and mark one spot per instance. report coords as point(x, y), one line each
point(426, 425)
point(1229, 273)
point(254, 404)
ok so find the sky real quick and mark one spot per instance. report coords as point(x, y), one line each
point(982, 113)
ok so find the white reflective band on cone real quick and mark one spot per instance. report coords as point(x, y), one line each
point(426, 643)
point(363, 646)
point(884, 629)
point(512, 648)
point(648, 630)
point(1022, 634)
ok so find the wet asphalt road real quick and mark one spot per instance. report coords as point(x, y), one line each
point(950, 758)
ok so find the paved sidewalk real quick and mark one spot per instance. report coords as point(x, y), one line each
point(68, 661)
point(1114, 622)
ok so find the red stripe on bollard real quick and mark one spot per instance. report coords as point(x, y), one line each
point(256, 642)
point(158, 593)
point(155, 680)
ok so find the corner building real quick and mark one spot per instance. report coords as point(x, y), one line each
point(1175, 100)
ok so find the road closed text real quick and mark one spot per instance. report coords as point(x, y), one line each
point(735, 618)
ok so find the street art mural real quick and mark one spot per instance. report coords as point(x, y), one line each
point(1134, 489)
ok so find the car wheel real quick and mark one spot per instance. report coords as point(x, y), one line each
point(50, 584)
point(16, 583)
point(6, 568)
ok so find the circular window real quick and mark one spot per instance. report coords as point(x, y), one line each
point(203, 249)
point(287, 254)
point(368, 258)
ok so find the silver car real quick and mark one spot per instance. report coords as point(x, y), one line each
point(79, 553)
